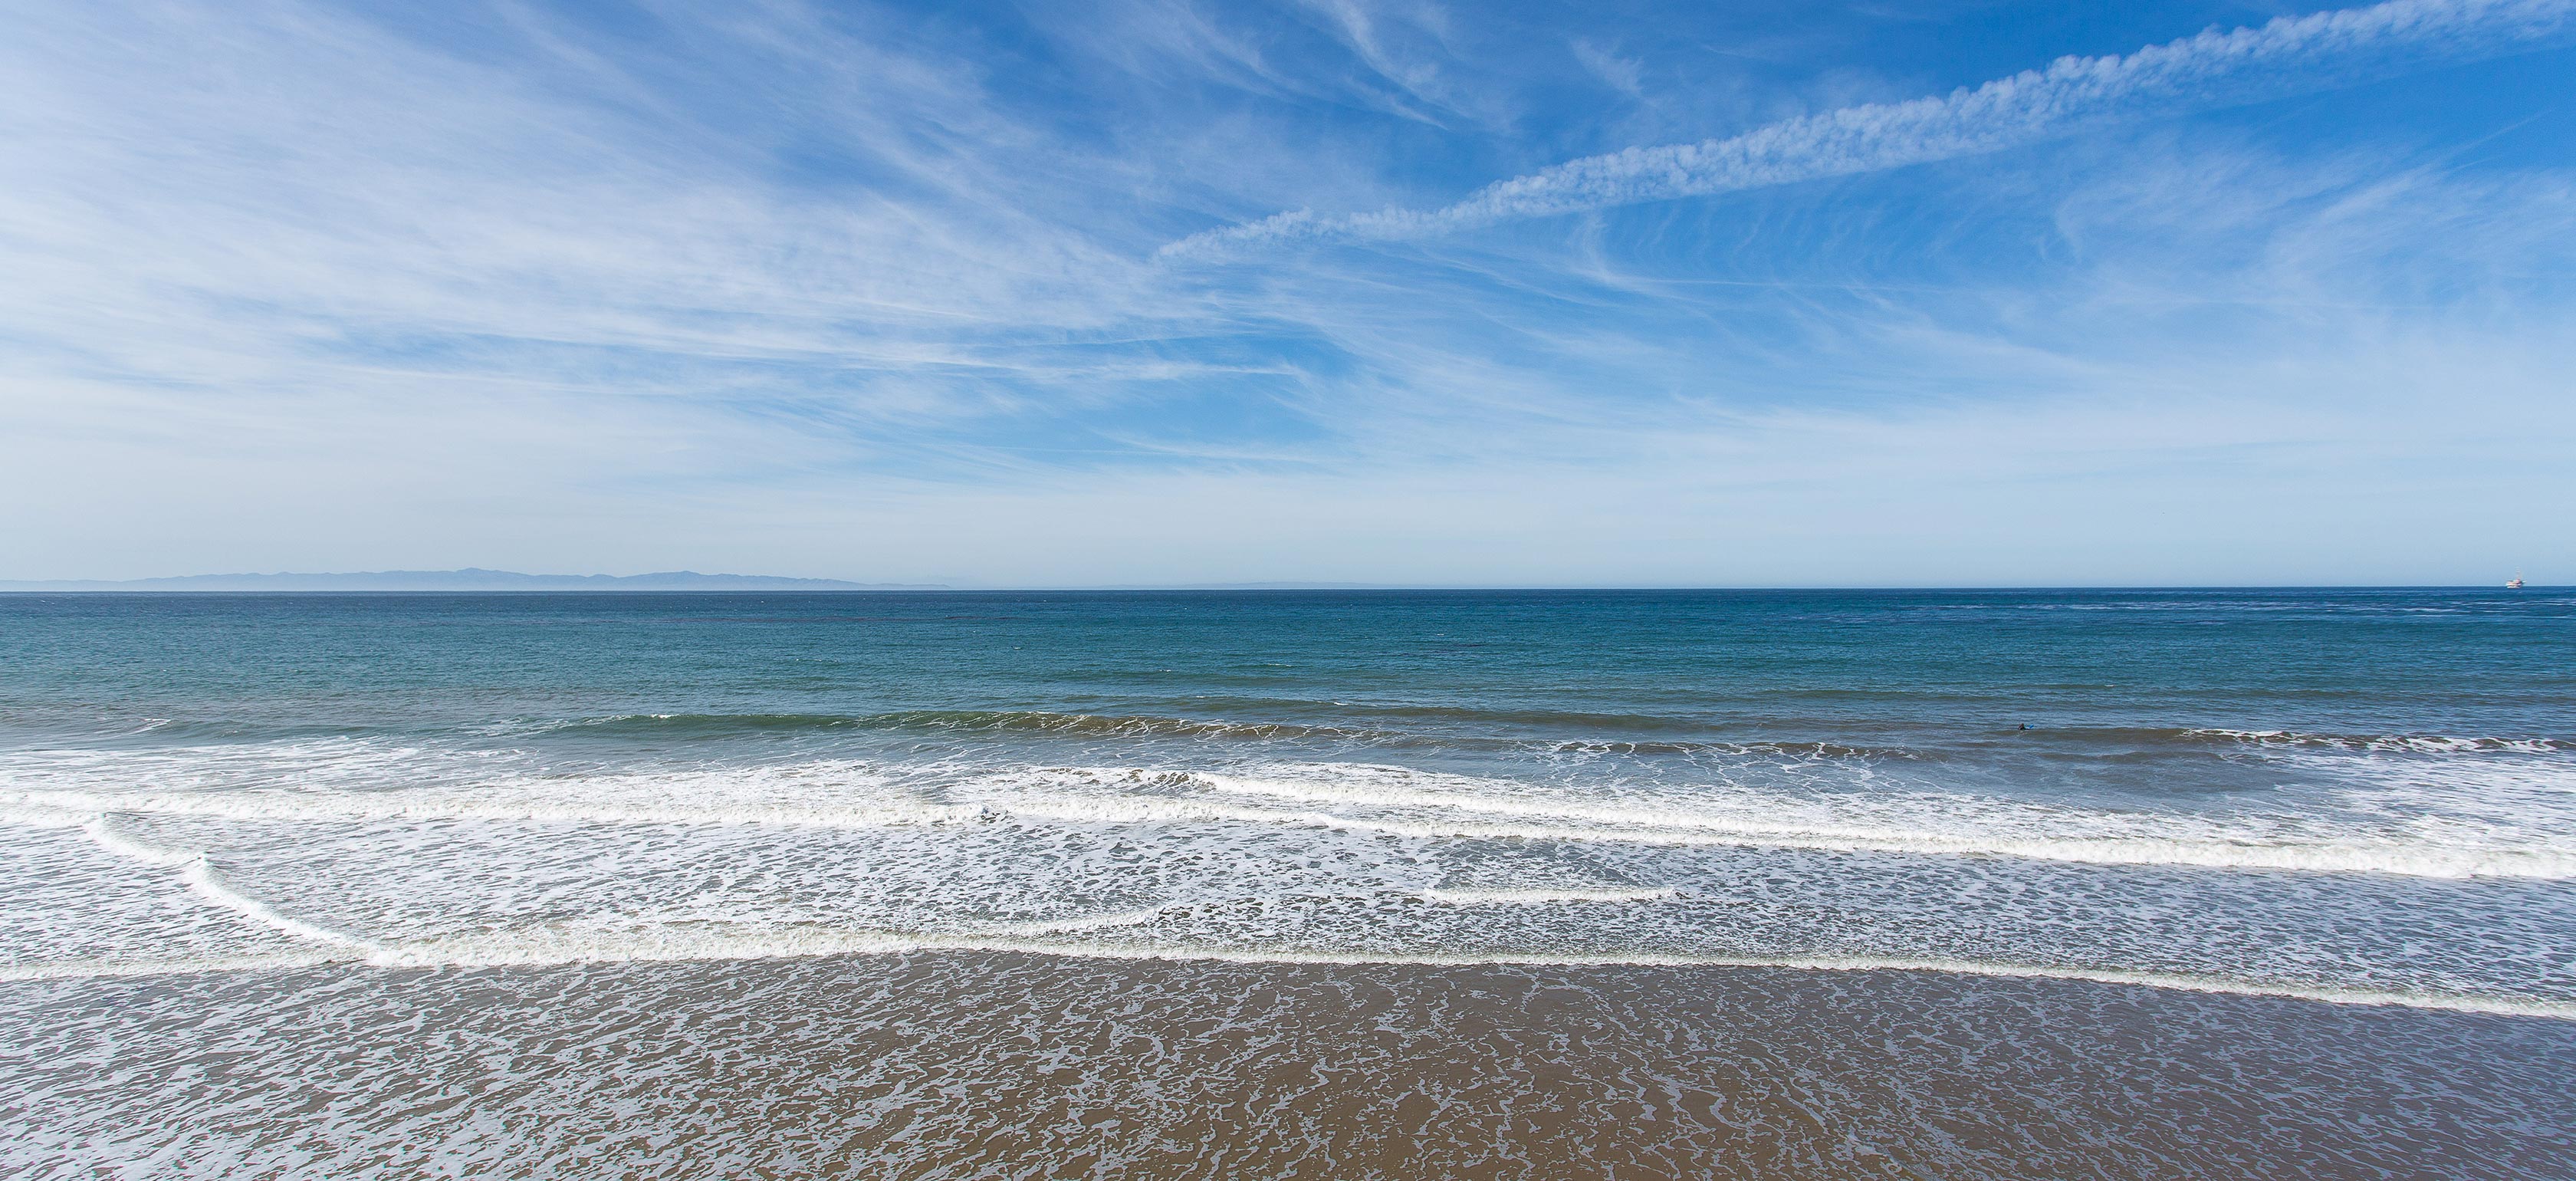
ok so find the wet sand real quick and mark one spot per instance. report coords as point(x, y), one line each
point(987, 1064)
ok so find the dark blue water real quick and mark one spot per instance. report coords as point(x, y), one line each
point(1595, 666)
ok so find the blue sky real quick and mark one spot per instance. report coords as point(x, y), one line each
point(1149, 291)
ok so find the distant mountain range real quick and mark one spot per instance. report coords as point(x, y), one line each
point(1249, 586)
point(467, 580)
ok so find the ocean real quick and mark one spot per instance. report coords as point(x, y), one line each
point(2114, 884)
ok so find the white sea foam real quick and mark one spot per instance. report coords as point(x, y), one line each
point(97, 969)
point(537, 948)
point(1077, 924)
point(1393, 801)
point(202, 881)
point(1541, 895)
point(1941, 825)
point(334, 762)
point(721, 928)
point(32, 815)
point(506, 803)
point(2426, 744)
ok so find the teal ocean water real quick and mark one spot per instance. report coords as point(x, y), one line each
point(2353, 802)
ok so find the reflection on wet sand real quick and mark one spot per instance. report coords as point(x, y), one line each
point(994, 1064)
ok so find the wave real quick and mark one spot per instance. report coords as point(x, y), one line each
point(1612, 735)
point(1045, 722)
point(57, 807)
point(2211, 848)
point(2221, 738)
point(1013, 721)
point(202, 881)
point(692, 725)
point(1117, 725)
point(1606, 740)
point(1524, 716)
point(665, 940)
point(1358, 798)
point(543, 948)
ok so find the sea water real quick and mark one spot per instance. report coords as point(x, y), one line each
point(260, 809)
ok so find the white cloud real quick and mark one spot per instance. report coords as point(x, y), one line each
point(2290, 55)
point(1622, 74)
point(290, 289)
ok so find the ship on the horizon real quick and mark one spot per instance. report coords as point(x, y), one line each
point(2516, 582)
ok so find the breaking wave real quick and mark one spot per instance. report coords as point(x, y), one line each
point(1392, 801)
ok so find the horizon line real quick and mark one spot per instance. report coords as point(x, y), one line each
point(1249, 587)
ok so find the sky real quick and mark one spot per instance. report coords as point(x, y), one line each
point(1171, 292)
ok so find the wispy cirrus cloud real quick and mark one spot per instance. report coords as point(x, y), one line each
point(865, 288)
point(2289, 55)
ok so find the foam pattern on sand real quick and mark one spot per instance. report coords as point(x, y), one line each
point(325, 857)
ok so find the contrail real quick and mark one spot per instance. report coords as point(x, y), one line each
point(2288, 56)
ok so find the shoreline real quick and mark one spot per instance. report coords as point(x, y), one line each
point(972, 1063)
point(879, 945)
